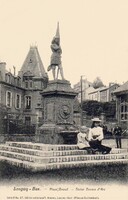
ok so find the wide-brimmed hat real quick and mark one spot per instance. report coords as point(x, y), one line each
point(84, 129)
point(96, 119)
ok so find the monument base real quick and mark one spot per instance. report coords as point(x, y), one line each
point(58, 103)
point(54, 134)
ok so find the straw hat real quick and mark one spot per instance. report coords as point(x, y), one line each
point(96, 119)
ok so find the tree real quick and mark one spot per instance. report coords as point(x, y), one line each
point(97, 83)
point(3, 114)
point(95, 108)
point(92, 108)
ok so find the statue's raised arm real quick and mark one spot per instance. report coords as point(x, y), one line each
point(56, 56)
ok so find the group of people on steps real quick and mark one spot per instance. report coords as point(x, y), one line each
point(90, 139)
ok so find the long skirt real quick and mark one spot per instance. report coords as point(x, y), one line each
point(96, 144)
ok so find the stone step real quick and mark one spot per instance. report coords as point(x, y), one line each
point(78, 164)
point(46, 160)
point(41, 152)
point(24, 157)
point(42, 167)
point(52, 147)
point(40, 146)
point(22, 164)
point(52, 153)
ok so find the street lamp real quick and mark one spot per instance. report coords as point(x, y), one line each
point(81, 91)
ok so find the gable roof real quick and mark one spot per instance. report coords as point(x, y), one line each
point(33, 64)
point(122, 88)
point(98, 90)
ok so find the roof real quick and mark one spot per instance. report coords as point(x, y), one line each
point(98, 90)
point(102, 89)
point(33, 64)
point(28, 73)
point(122, 88)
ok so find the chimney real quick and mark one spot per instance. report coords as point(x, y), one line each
point(14, 68)
point(111, 83)
point(2, 71)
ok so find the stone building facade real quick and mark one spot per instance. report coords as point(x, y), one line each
point(85, 87)
point(122, 105)
point(21, 94)
point(104, 94)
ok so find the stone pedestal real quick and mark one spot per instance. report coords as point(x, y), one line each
point(58, 127)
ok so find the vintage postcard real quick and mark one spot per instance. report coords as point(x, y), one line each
point(63, 100)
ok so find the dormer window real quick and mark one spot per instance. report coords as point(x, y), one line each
point(19, 81)
point(30, 84)
point(26, 84)
point(30, 61)
point(8, 78)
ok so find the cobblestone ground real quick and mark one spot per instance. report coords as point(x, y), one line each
point(112, 143)
point(111, 174)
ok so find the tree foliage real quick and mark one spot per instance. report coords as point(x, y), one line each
point(3, 110)
point(95, 108)
point(3, 113)
point(97, 83)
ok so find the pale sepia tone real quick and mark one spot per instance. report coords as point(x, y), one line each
point(94, 40)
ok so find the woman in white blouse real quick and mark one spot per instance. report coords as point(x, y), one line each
point(95, 137)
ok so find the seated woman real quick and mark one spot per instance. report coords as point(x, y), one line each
point(82, 139)
point(95, 137)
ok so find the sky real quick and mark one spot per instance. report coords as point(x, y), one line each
point(94, 36)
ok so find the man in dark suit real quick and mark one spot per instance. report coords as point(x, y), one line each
point(118, 133)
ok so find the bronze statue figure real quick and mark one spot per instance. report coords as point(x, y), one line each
point(56, 57)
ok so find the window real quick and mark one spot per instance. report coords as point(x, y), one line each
point(18, 101)
point(30, 61)
point(27, 121)
point(123, 98)
point(28, 102)
point(26, 84)
point(122, 108)
point(8, 78)
point(19, 81)
point(125, 108)
point(31, 84)
point(124, 111)
point(8, 99)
